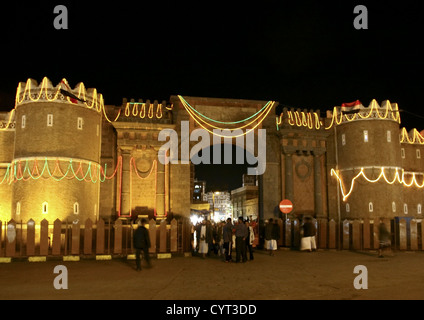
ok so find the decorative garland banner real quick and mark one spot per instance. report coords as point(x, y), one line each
point(261, 115)
point(305, 119)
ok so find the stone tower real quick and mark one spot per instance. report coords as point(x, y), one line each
point(56, 152)
point(368, 140)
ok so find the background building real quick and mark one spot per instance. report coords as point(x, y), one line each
point(245, 199)
point(199, 190)
point(220, 204)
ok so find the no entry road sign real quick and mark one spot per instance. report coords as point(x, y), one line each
point(286, 206)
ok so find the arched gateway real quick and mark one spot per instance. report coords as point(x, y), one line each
point(289, 162)
point(161, 149)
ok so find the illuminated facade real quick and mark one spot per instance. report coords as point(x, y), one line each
point(65, 154)
point(373, 167)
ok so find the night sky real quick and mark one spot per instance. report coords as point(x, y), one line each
point(303, 54)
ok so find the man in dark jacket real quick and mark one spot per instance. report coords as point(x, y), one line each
point(227, 235)
point(241, 235)
point(272, 234)
point(141, 240)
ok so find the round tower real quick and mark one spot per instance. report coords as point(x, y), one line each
point(7, 134)
point(369, 160)
point(57, 152)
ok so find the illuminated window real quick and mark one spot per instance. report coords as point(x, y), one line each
point(18, 208)
point(402, 153)
point(418, 152)
point(370, 207)
point(419, 208)
point(45, 208)
point(394, 206)
point(405, 208)
point(365, 135)
point(347, 207)
point(50, 120)
point(389, 136)
point(76, 208)
point(343, 139)
point(23, 122)
point(79, 123)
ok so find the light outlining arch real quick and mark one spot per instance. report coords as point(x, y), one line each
point(258, 120)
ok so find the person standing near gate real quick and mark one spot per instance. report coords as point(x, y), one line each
point(249, 240)
point(384, 238)
point(227, 235)
point(241, 235)
point(272, 232)
point(204, 237)
point(308, 242)
point(141, 241)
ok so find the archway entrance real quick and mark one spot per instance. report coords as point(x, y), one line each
point(225, 190)
point(247, 124)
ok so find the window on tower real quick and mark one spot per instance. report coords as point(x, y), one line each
point(18, 208)
point(45, 208)
point(76, 208)
point(50, 120)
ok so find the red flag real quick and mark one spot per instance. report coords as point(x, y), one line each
point(351, 104)
point(351, 107)
point(71, 96)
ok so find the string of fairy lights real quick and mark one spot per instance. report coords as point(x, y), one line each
point(132, 109)
point(398, 177)
point(81, 170)
point(251, 122)
point(311, 120)
point(31, 92)
point(417, 137)
point(19, 170)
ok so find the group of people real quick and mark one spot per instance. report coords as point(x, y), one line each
point(272, 234)
point(223, 237)
point(220, 239)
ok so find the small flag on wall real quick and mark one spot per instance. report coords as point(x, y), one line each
point(351, 107)
point(72, 97)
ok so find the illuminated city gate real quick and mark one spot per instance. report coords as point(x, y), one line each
point(64, 154)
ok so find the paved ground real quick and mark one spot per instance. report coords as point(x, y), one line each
point(288, 275)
